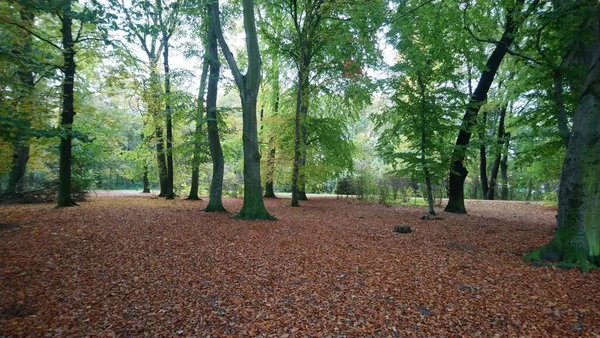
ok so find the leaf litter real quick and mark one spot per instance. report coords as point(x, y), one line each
point(121, 266)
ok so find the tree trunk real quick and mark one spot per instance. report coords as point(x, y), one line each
point(248, 86)
point(146, 181)
point(198, 132)
point(68, 112)
point(499, 152)
point(269, 191)
point(504, 168)
point(423, 115)
point(302, 97)
point(154, 109)
point(458, 172)
point(215, 201)
point(483, 158)
point(24, 106)
point(169, 116)
point(561, 114)
point(577, 240)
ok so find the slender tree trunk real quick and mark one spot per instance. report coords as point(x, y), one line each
point(24, 106)
point(169, 116)
point(303, 145)
point(500, 145)
point(424, 166)
point(146, 181)
point(66, 121)
point(458, 172)
point(504, 168)
point(483, 159)
point(577, 240)
point(269, 191)
point(215, 202)
point(198, 132)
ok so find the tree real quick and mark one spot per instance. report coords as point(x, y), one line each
point(577, 239)
point(248, 86)
point(458, 172)
point(193, 195)
point(23, 102)
point(145, 22)
point(167, 27)
point(215, 203)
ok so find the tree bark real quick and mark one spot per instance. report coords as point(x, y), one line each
point(458, 171)
point(425, 168)
point(248, 85)
point(504, 168)
point(169, 117)
point(154, 109)
point(576, 242)
point(269, 191)
point(302, 102)
point(24, 106)
point(198, 132)
point(499, 152)
point(68, 112)
point(215, 201)
point(483, 159)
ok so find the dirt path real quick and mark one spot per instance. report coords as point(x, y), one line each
point(139, 266)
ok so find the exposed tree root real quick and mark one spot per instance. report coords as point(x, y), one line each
point(571, 261)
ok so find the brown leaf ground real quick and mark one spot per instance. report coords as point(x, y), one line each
point(139, 266)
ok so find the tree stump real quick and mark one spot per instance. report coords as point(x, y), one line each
point(403, 229)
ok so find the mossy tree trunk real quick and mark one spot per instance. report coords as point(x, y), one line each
point(248, 86)
point(577, 239)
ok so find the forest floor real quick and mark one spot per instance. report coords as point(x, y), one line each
point(134, 265)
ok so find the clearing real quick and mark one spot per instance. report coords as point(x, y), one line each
point(139, 266)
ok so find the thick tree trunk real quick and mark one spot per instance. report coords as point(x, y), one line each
point(458, 172)
point(215, 201)
point(577, 240)
point(198, 132)
point(499, 152)
point(169, 116)
point(68, 112)
point(254, 207)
